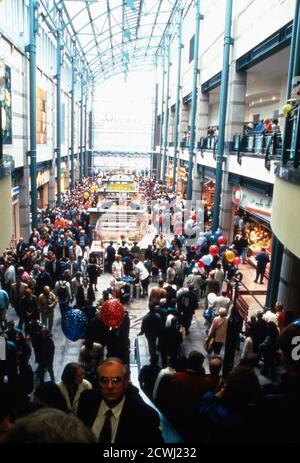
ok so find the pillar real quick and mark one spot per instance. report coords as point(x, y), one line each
point(51, 190)
point(289, 288)
point(196, 187)
point(202, 115)
point(235, 118)
point(67, 174)
point(6, 228)
point(24, 204)
point(184, 120)
point(226, 208)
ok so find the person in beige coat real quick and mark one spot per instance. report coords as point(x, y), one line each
point(46, 305)
point(218, 331)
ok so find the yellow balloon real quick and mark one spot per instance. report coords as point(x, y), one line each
point(86, 195)
point(287, 108)
point(229, 256)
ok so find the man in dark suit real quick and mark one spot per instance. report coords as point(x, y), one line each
point(110, 255)
point(115, 415)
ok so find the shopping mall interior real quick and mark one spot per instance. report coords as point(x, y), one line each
point(149, 253)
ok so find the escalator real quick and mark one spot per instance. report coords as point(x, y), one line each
point(170, 435)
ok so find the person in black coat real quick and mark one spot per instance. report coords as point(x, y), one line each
point(136, 422)
point(118, 341)
point(45, 355)
point(151, 327)
point(43, 279)
point(110, 256)
point(21, 379)
point(262, 259)
point(187, 304)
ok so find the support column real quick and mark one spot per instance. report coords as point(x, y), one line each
point(289, 288)
point(194, 104)
point(51, 188)
point(24, 204)
point(202, 116)
point(177, 108)
point(67, 174)
point(235, 121)
point(201, 131)
point(73, 122)
point(31, 48)
point(85, 130)
point(197, 187)
point(274, 274)
point(162, 117)
point(58, 117)
point(81, 131)
point(6, 228)
point(154, 126)
point(184, 120)
point(222, 117)
point(227, 208)
point(166, 121)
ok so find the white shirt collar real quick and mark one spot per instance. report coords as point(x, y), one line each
point(116, 411)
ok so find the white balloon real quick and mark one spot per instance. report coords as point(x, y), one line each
point(211, 298)
point(189, 227)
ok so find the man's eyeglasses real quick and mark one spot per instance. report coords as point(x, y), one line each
point(116, 381)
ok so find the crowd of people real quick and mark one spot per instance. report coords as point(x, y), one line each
point(55, 268)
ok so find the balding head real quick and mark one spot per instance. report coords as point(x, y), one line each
point(215, 364)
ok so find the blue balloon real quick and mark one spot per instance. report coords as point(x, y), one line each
point(207, 234)
point(201, 240)
point(207, 260)
point(74, 324)
point(218, 233)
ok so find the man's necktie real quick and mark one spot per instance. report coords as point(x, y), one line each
point(105, 434)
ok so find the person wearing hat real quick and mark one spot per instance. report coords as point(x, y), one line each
point(217, 331)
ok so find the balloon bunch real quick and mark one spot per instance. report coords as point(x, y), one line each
point(215, 240)
point(232, 258)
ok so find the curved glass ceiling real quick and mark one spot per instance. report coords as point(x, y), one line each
point(118, 35)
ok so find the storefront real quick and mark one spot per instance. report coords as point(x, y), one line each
point(255, 210)
point(169, 175)
point(207, 190)
point(42, 183)
point(181, 180)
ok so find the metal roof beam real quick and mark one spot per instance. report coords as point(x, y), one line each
point(110, 30)
point(94, 32)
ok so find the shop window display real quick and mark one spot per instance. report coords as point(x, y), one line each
point(258, 237)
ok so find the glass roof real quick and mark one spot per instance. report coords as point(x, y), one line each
point(116, 36)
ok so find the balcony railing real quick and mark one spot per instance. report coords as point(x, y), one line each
point(268, 145)
point(258, 144)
